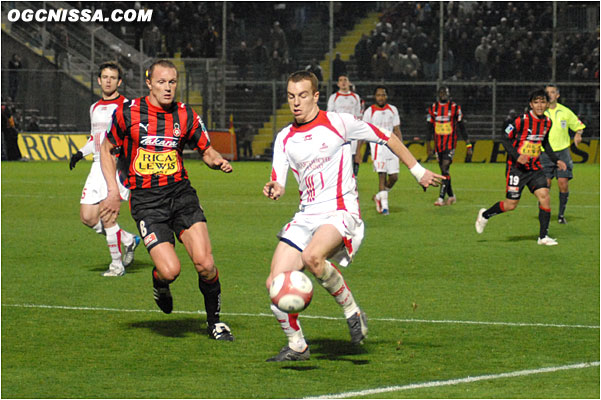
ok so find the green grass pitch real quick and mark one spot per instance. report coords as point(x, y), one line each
point(452, 314)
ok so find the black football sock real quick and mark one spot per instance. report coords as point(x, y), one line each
point(494, 210)
point(544, 216)
point(211, 290)
point(449, 187)
point(563, 201)
point(443, 188)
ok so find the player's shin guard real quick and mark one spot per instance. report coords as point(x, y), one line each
point(563, 201)
point(291, 327)
point(113, 240)
point(211, 291)
point(494, 210)
point(334, 283)
point(544, 216)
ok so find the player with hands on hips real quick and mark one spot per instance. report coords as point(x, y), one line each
point(95, 188)
point(328, 225)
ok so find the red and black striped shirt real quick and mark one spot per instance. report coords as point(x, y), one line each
point(153, 140)
point(445, 119)
point(527, 134)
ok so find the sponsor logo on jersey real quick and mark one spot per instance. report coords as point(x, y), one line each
point(176, 131)
point(160, 141)
point(509, 129)
point(323, 147)
point(308, 137)
point(151, 162)
point(145, 126)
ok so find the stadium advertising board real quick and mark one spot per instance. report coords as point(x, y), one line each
point(60, 147)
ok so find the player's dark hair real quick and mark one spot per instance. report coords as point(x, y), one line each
point(302, 76)
point(163, 63)
point(381, 87)
point(110, 65)
point(553, 86)
point(538, 94)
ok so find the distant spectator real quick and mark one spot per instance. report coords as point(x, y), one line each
point(172, 33)
point(380, 65)
point(396, 65)
point(411, 65)
point(363, 57)
point(244, 137)
point(278, 39)
point(151, 37)
point(338, 67)
point(481, 56)
point(276, 65)
point(316, 69)
point(295, 39)
point(10, 135)
point(208, 39)
point(242, 58)
point(14, 67)
point(260, 58)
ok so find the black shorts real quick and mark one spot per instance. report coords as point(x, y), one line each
point(551, 169)
point(518, 178)
point(161, 213)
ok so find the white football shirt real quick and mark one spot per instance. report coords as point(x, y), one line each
point(386, 117)
point(319, 154)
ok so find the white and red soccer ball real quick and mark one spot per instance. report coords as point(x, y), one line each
point(291, 291)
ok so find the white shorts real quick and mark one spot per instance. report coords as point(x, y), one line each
point(299, 232)
point(353, 147)
point(95, 189)
point(384, 160)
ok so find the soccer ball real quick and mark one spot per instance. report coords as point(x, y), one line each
point(291, 291)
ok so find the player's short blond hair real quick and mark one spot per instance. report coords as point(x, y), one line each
point(305, 76)
point(163, 63)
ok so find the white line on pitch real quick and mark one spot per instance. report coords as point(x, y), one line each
point(420, 321)
point(450, 382)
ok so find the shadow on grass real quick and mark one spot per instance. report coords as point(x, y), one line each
point(134, 268)
point(521, 238)
point(174, 328)
point(337, 350)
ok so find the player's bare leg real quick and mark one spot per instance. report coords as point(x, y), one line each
point(287, 258)
point(327, 241)
point(166, 270)
point(198, 245)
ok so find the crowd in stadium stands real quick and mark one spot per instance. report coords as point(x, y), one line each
point(482, 41)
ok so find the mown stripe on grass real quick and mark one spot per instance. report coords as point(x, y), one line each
point(451, 382)
point(421, 321)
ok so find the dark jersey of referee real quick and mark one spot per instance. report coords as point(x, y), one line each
point(444, 117)
point(152, 142)
point(527, 134)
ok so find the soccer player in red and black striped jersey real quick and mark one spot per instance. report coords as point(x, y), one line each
point(445, 122)
point(523, 141)
point(150, 134)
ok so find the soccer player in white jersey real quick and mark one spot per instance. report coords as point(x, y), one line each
point(386, 163)
point(95, 189)
point(347, 101)
point(328, 225)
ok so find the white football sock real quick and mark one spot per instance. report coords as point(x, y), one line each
point(334, 283)
point(291, 327)
point(384, 199)
point(113, 240)
point(126, 237)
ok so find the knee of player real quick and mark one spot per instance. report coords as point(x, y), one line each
point(313, 262)
point(510, 205)
point(88, 220)
point(205, 265)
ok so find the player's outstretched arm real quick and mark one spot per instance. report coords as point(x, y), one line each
point(213, 159)
point(423, 176)
point(273, 190)
point(109, 207)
